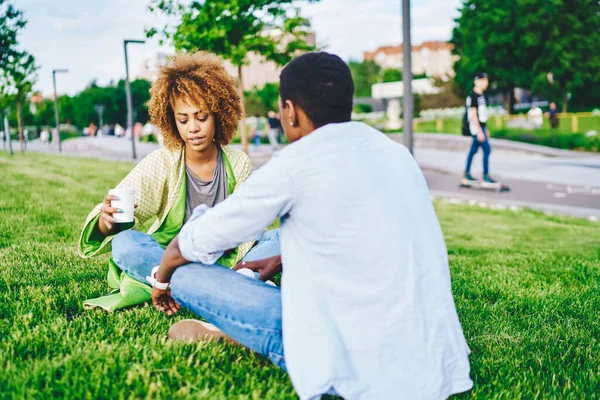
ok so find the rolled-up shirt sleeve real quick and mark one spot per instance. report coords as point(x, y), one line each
point(242, 217)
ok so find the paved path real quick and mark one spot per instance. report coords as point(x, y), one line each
point(565, 183)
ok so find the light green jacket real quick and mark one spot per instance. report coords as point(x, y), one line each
point(160, 184)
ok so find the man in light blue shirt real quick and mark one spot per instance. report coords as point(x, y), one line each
point(365, 308)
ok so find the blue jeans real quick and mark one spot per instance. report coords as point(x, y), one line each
point(247, 310)
point(137, 253)
point(487, 149)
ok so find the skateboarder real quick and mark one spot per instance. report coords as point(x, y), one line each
point(476, 118)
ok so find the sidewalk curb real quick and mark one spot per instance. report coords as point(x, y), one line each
point(445, 141)
point(550, 209)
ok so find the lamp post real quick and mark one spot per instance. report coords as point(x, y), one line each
point(407, 77)
point(54, 72)
point(100, 110)
point(7, 132)
point(128, 94)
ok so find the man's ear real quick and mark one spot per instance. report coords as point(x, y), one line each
point(292, 113)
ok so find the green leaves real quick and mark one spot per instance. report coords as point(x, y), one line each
point(11, 22)
point(518, 42)
point(232, 29)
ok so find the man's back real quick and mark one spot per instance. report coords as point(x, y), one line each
point(365, 266)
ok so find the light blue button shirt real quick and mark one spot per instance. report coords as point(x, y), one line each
point(366, 295)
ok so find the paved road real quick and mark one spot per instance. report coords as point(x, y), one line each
point(564, 185)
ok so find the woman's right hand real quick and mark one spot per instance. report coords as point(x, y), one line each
point(106, 222)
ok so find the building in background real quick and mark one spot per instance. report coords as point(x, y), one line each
point(433, 59)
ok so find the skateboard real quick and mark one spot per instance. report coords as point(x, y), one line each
point(498, 186)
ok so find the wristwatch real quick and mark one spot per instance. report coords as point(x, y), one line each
point(155, 283)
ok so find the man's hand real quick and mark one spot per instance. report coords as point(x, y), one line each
point(481, 137)
point(164, 302)
point(267, 267)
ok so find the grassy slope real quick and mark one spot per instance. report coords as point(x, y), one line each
point(526, 287)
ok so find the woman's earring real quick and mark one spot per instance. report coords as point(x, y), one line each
point(291, 123)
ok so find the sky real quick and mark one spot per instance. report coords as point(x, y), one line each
point(86, 36)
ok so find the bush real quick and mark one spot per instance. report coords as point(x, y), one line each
point(550, 138)
point(362, 108)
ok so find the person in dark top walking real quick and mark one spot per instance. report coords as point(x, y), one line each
point(553, 115)
point(477, 118)
point(273, 129)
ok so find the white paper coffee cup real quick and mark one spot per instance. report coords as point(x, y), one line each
point(126, 203)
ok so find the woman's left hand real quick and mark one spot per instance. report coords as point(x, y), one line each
point(163, 301)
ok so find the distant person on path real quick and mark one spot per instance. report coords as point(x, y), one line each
point(119, 131)
point(476, 119)
point(273, 128)
point(553, 115)
point(365, 309)
point(92, 129)
point(256, 129)
point(536, 116)
point(45, 136)
point(195, 104)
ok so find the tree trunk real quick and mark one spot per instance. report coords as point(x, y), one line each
point(565, 104)
point(20, 126)
point(509, 100)
point(244, 128)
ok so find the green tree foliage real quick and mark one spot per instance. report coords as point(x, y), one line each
point(79, 110)
point(525, 42)
point(488, 37)
point(365, 74)
point(234, 28)
point(19, 76)
point(261, 101)
point(391, 75)
point(569, 61)
point(11, 22)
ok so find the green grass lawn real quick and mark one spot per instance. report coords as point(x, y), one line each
point(527, 289)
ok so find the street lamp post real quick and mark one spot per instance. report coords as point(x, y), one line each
point(128, 94)
point(407, 77)
point(7, 132)
point(54, 72)
point(100, 110)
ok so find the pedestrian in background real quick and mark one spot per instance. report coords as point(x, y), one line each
point(553, 115)
point(476, 123)
point(536, 117)
point(273, 128)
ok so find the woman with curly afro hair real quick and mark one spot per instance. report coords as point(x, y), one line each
point(195, 104)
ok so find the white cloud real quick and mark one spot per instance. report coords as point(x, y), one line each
point(86, 36)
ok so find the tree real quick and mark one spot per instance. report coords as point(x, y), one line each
point(546, 45)
point(569, 61)
point(489, 37)
point(365, 74)
point(20, 74)
point(391, 75)
point(11, 22)
point(233, 28)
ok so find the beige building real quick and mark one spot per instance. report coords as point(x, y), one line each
point(433, 59)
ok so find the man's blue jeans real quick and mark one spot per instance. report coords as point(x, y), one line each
point(247, 310)
point(487, 149)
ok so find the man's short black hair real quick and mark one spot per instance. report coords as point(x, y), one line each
point(320, 84)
